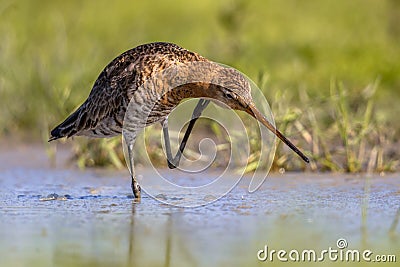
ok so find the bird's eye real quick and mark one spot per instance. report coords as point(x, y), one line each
point(229, 96)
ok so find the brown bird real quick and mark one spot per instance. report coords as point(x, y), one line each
point(126, 79)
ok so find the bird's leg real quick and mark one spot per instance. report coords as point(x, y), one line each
point(174, 162)
point(200, 107)
point(134, 184)
point(167, 142)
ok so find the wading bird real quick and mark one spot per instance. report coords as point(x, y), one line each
point(104, 111)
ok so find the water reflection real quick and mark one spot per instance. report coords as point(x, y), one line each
point(169, 243)
point(101, 225)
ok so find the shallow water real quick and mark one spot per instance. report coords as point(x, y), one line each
point(67, 217)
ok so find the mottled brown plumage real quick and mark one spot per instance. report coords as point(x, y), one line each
point(143, 85)
point(102, 114)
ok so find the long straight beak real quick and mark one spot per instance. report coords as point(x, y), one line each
point(253, 111)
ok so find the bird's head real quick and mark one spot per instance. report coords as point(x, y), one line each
point(234, 90)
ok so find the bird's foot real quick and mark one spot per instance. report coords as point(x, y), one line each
point(173, 164)
point(135, 188)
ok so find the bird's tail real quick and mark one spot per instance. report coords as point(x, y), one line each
point(67, 128)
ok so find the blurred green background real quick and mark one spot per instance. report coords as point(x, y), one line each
point(331, 66)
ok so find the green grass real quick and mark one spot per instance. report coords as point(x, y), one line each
point(330, 69)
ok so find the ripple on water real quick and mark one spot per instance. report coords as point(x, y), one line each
point(95, 218)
